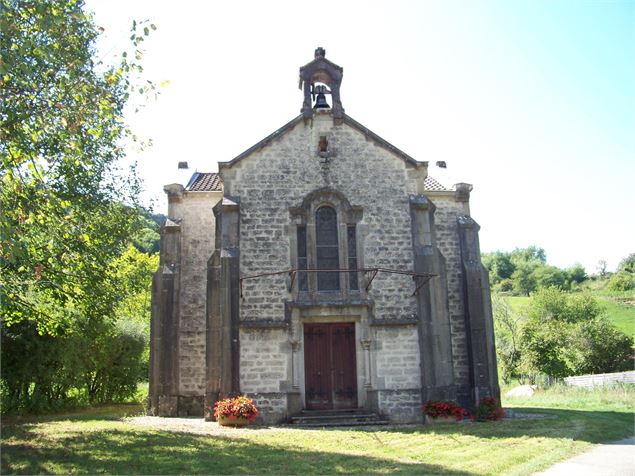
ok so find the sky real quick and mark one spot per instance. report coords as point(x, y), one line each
point(532, 102)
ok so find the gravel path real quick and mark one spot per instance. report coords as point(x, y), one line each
point(194, 425)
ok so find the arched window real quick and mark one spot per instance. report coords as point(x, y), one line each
point(326, 238)
point(327, 252)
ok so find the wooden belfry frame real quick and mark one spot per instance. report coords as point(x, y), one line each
point(420, 279)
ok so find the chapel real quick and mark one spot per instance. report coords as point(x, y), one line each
point(321, 269)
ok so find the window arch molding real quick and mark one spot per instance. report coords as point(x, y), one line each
point(304, 227)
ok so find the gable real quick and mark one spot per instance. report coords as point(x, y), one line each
point(349, 121)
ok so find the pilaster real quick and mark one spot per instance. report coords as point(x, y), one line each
point(478, 314)
point(223, 298)
point(435, 340)
point(164, 324)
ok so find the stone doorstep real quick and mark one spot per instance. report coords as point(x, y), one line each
point(335, 418)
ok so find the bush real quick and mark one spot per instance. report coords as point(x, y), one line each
point(567, 335)
point(601, 348)
point(38, 371)
point(505, 285)
point(489, 409)
point(112, 367)
point(622, 281)
point(92, 363)
point(507, 329)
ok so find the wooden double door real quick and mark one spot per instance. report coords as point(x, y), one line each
point(329, 366)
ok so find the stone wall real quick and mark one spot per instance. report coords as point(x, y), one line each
point(448, 209)
point(282, 174)
point(402, 406)
point(278, 177)
point(263, 360)
point(194, 210)
point(396, 352)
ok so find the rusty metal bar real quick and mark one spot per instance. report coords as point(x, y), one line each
point(424, 280)
point(370, 280)
point(424, 277)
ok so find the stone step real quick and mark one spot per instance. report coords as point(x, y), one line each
point(330, 418)
point(345, 411)
point(340, 424)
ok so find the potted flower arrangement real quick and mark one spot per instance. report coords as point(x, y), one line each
point(489, 409)
point(435, 412)
point(236, 411)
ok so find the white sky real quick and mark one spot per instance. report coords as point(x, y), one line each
point(532, 102)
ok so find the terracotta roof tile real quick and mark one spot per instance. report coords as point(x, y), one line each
point(431, 184)
point(205, 182)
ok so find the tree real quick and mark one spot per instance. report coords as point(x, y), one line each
point(507, 328)
point(531, 253)
point(524, 280)
point(576, 274)
point(499, 266)
point(627, 265)
point(549, 276)
point(61, 185)
point(68, 208)
point(566, 334)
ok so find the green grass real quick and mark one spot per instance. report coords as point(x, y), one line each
point(517, 303)
point(621, 314)
point(100, 442)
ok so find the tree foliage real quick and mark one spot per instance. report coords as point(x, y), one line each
point(627, 265)
point(88, 360)
point(568, 334)
point(74, 298)
point(507, 326)
point(61, 185)
point(525, 270)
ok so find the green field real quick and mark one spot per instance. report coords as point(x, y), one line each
point(621, 312)
point(103, 442)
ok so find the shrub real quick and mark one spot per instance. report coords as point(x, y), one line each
point(434, 409)
point(111, 368)
point(622, 281)
point(489, 409)
point(241, 407)
point(601, 348)
point(506, 285)
point(567, 334)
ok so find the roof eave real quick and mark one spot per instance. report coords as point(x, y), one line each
point(263, 143)
point(348, 120)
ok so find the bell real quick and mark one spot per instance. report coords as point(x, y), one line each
point(320, 102)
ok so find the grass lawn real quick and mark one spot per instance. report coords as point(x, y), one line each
point(101, 442)
point(621, 314)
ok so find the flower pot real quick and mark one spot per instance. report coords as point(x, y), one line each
point(231, 420)
point(439, 420)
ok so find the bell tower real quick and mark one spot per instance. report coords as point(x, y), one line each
point(319, 78)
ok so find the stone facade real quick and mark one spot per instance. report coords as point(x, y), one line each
point(243, 281)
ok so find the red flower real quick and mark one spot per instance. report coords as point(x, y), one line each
point(241, 407)
point(443, 410)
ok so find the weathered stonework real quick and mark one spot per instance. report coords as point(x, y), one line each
point(239, 304)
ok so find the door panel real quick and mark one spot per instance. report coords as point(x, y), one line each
point(344, 367)
point(330, 367)
point(317, 368)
